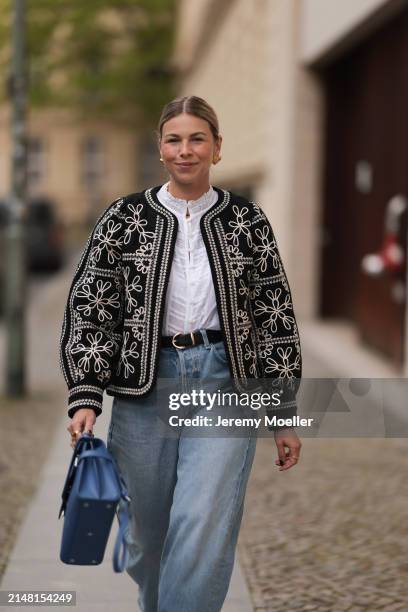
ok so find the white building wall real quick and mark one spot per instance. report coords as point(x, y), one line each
point(246, 74)
point(326, 24)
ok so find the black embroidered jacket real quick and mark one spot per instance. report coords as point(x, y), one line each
point(111, 332)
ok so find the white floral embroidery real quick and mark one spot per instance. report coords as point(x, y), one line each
point(104, 376)
point(94, 351)
point(240, 226)
point(266, 249)
point(108, 326)
point(77, 336)
point(275, 310)
point(285, 367)
point(136, 224)
point(144, 257)
point(235, 260)
point(89, 278)
point(106, 241)
point(243, 325)
point(244, 290)
point(98, 301)
point(259, 317)
point(255, 286)
point(257, 208)
point(131, 301)
point(250, 355)
point(138, 322)
point(126, 354)
point(266, 342)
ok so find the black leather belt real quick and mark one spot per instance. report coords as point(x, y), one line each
point(194, 338)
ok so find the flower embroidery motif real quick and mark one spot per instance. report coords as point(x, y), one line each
point(257, 208)
point(285, 367)
point(131, 301)
point(243, 325)
point(144, 257)
point(77, 335)
point(94, 351)
point(275, 310)
point(266, 342)
point(235, 260)
point(89, 278)
point(104, 376)
point(245, 291)
point(138, 322)
point(240, 226)
point(107, 242)
point(136, 224)
point(127, 352)
point(103, 334)
point(267, 248)
point(255, 287)
point(98, 300)
point(250, 355)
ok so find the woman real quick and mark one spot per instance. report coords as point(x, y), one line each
point(181, 282)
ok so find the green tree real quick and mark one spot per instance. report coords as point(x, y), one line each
point(102, 57)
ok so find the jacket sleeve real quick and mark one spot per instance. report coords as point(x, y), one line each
point(276, 332)
point(92, 327)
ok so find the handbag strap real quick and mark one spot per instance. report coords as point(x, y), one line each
point(120, 552)
point(85, 440)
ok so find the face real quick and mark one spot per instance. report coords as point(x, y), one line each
point(188, 149)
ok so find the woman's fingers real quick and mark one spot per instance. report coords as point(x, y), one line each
point(290, 458)
point(281, 451)
point(90, 421)
point(82, 421)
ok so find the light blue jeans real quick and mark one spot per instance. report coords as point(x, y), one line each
point(187, 493)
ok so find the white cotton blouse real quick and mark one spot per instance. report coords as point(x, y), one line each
point(190, 300)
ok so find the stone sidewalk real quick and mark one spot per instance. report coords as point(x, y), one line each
point(34, 563)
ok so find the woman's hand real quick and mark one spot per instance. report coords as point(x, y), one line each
point(287, 438)
point(83, 420)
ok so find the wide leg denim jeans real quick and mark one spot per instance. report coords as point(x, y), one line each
point(187, 492)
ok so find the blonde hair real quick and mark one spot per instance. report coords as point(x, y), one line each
point(193, 105)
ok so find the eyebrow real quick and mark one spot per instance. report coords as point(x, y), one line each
point(195, 134)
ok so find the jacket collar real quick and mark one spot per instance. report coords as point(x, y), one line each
point(179, 205)
point(218, 206)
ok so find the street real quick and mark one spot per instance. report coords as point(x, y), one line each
point(328, 534)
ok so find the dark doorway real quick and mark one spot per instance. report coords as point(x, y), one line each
point(366, 164)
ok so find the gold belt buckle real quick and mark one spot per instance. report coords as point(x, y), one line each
point(173, 341)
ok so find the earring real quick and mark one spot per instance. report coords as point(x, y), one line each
point(161, 159)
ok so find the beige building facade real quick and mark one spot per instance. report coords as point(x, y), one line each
point(258, 64)
point(81, 166)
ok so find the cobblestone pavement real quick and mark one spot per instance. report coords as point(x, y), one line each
point(330, 533)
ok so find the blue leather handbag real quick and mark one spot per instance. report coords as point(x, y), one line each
point(93, 491)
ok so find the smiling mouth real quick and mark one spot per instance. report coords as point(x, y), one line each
point(186, 165)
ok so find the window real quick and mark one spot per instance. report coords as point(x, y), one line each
point(92, 166)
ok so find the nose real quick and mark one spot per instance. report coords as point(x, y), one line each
point(185, 148)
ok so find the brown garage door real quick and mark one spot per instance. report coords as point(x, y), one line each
point(366, 165)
